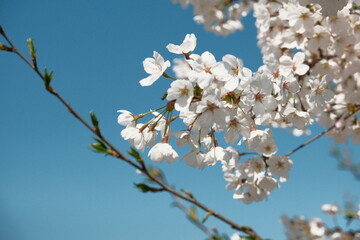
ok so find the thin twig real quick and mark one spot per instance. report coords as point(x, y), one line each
point(322, 133)
point(116, 153)
point(196, 222)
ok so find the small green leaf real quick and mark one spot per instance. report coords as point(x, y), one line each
point(94, 119)
point(5, 48)
point(164, 96)
point(349, 216)
point(135, 154)
point(30, 43)
point(99, 146)
point(100, 142)
point(187, 193)
point(208, 214)
point(215, 237)
point(145, 188)
point(48, 77)
point(249, 237)
point(197, 92)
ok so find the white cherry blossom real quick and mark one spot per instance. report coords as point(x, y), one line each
point(279, 166)
point(161, 151)
point(182, 92)
point(295, 64)
point(155, 67)
point(126, 118)
point(187, 46)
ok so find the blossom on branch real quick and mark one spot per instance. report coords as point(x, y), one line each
point(155, 67)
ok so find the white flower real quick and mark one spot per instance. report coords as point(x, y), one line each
point(163, 151)
point(134, 136)
point(298, 118)
point(268, 184)
point(182, 92)
point(327, 9)
point(330, 208)
point(286, 87)
point(238, 124)
point(267, 147)
point(317, 227)
point(125, 118)
point(230, 71)
point(261, 98)
point(320, 94)
point(257, 166)
point(320, 40)
point(300, 18)
point(249, 193)
point(155, 67)
point(230, 159)
point(212, 113)
point(195, 158)
point(256, 137)
point(295, 64)
point(236, 236)
point(279, 166)
point(232, 180)
point(215, 154)
point(188, 45)
point(202, 67)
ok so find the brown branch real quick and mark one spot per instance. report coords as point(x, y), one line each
point(322, 133)
point(117, 154)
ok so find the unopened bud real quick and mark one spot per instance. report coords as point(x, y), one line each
point(5, 48)
point(30, 43)
point(170, 106)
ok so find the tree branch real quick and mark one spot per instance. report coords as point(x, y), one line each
point(323, 132)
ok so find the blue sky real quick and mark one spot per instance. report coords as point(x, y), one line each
point(53, 187)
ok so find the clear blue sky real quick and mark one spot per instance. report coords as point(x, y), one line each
point(52, 187)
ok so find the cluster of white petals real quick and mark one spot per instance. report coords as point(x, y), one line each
point(219, 16)
point(310, 74)
point(319, 44)
point(300, 228)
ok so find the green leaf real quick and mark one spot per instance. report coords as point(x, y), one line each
point(145, 188)
point(30, 44)
point(215, 237)
point(197, 92)
point(5, 48)
point(164, 96)
point(94, 119)
point(187, 192)
point(250, 237)
point(208, 214)
point(47, 77)
point(135, 154)
point(99, 146)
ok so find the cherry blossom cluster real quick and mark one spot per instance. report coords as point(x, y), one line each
point(216, 98)
point(224, 16)
point(219, 16)
point(310, 73)
point(309, 36)
point(300, 228)
point(294, 35)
